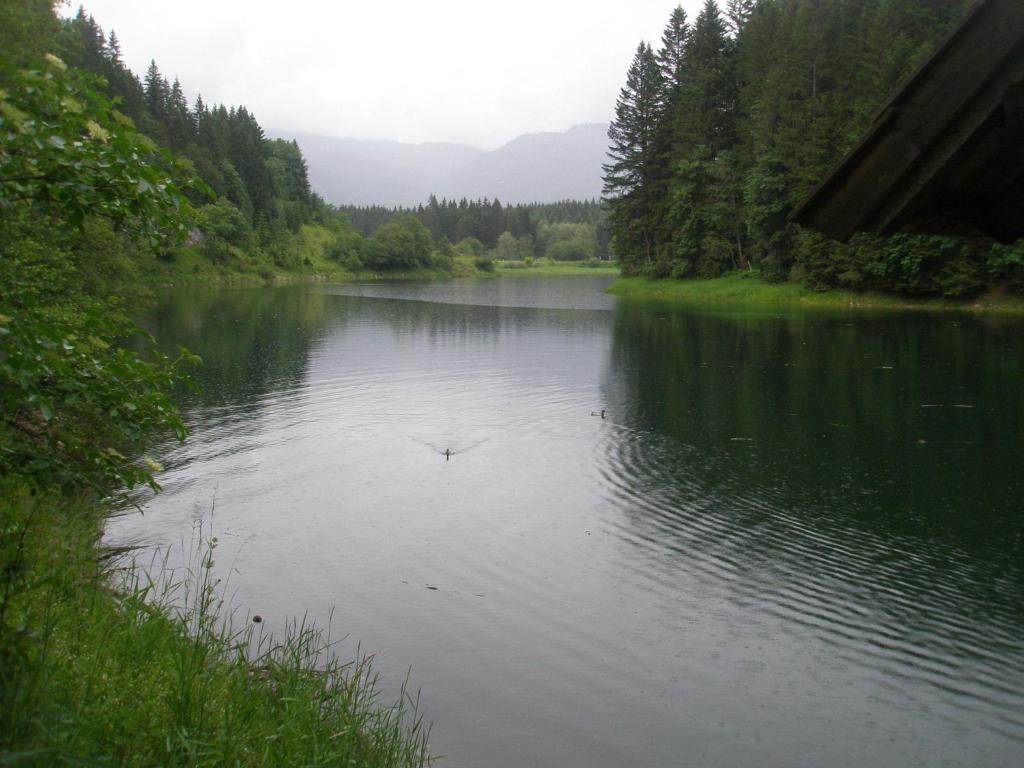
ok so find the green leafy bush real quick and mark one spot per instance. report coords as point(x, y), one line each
point(469, 246)
point(68, 151)
point(74, 401)
point(402, 243)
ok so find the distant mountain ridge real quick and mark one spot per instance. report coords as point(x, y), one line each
point(535, 167)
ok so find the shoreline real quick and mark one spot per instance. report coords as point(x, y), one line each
point(92, 640)
point(747, 290)
point(326, 272)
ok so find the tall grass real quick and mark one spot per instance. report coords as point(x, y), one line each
point(101, 664)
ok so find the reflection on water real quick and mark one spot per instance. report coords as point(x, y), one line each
point(793, 540)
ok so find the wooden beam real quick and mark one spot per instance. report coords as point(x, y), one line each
point(952, 96)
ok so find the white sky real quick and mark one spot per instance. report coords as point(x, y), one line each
point(473, 72)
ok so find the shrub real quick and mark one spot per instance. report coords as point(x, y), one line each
point(469, 246)
point(402, 243)
point(570, 250)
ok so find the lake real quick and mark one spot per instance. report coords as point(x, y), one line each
point(794, 538)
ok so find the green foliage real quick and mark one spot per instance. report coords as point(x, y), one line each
point(67, 151)
point(402, 243)
point(348, 246)
point(512, 248)
point(569, 250)
point(266, 180)
point(28, 29)
point(566, 241)
point(224, 222)
point(1005, 264)
point(153, 673)
point(633, 174)
point(756, 107)
point(469, 246)
point(487, 221)
point(507, 249)
point(484, 264)
point(74, 401)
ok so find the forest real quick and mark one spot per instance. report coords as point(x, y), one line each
point(739, 113)
point(570, 230)
point(254, 212)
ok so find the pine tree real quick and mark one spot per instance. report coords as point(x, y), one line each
point(673, 47)
point(157, 89)
point(630, 176)
point(180, 127)
point(114, 48)
point(708, 83)
point(738, 13)
point(702, 207)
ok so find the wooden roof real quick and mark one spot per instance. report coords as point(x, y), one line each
point(946, 154)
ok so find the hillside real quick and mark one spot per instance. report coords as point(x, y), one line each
point(536, 167)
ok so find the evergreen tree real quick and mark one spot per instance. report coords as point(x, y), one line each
point(180, 128)
point(629, 177)
point(673, 48)
point(738, 13)
point(705, 113)
point(114, 48)
point(157, 90)
point(766, 100)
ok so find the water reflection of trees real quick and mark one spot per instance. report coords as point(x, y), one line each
point(925, 413)
point(822, 463)
point(250, 339)
point(453, 323)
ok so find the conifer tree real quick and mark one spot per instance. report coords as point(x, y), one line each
point(114, 48)
point(180, 127)
point(629, 176)
point(157, 89)
point(738, 13)
point(673, 48)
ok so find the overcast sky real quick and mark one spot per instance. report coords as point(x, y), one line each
point(468, 71)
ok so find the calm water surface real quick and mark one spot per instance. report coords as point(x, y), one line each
point(795, 539)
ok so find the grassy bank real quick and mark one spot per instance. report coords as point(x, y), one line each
point(549, 267)
point(749, 289)
point(93, 674)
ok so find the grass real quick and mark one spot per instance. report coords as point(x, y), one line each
point(132, 672)
point(549, 267)
point(747, 288)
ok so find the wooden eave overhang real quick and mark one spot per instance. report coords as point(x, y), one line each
point(946, 154)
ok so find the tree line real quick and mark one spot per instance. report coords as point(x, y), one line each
point(723, 129)
point(265, 180)
point(511, 231)
point(261, 194)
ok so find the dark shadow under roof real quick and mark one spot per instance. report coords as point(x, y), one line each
point(946, 154)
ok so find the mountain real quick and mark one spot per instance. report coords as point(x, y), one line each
point(536, 167)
